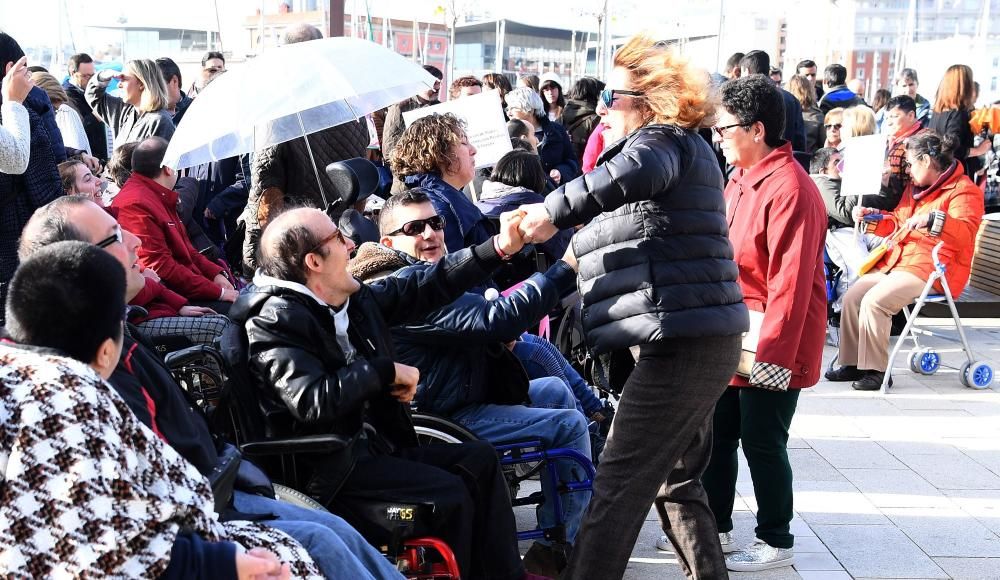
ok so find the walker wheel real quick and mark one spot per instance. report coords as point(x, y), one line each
point(977, 375)
point(925, 361)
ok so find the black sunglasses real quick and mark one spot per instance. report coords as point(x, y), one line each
point(836, 126)
point(115, 237)
point(608, 95)
point(417, 227)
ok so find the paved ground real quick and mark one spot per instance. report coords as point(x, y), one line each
point(901, 486)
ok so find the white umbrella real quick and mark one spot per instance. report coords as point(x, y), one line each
point(291, 92)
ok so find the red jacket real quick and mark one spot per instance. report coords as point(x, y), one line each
point(158, 300)
point(777, 225)
point(149, 210)
point(962, 202)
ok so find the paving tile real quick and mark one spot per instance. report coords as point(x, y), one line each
point(886, 488)
point(809, 544)
point(810, 465)
point(826, 502)
point(924, 402)
point(946, 532)
point(947, 472)
point(970, 568)
point(984, 505)
point(816, 561)
point(901, 448)
point(824, 575)
point(855, 454)
point(877, 551)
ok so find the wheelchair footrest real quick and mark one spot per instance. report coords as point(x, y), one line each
point(535, 498)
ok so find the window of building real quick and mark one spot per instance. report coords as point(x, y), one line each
point(860, 58)
point(861, 73)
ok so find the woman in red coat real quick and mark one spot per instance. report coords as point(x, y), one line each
point(941, 204)
point(777, 225)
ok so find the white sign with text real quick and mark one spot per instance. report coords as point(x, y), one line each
point(484, 124)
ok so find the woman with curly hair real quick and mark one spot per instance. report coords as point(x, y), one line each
point(656, 271)
point(434, 153)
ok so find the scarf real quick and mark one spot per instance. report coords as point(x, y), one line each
point(88, 491)
point(921, 192)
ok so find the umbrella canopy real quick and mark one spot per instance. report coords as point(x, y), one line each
point(291, 92)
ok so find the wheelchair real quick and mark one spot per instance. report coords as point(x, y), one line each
point(974, 373)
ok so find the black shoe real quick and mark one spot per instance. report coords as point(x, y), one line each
point(546, 560)
point(844, 374)
point(872, 381)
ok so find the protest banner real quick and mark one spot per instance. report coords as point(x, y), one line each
point(484, 124)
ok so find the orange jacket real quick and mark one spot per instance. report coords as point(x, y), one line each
point(962, 202)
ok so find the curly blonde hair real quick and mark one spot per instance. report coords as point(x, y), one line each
point(425, 146)
point(673, 91)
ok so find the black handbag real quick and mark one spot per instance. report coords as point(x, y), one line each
point(506, 379)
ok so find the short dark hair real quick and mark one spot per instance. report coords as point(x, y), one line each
point(518, 144)
point(435, 71)
point(821, 158)
point(904, 103)
point(147, 159)
point(68, 296)
point(461, 82)
point(517, 128)
point(586, 89)
point(49, 224)
point(757, 62)
point(804, 64)
point(77, 59)
point(755, 98)
point(834, 75)
point(285, 257)
point(734, 61)
point(120, 164)
point(169, 69)
point(210, 55)
point(407, 197)
point(520, 169)
point(941, 149)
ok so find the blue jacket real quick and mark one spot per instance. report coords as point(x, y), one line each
point(449, 345)
point(464, 225)
point(838, 97)
point(556, 150)
point(795, 127)
point(38, 101)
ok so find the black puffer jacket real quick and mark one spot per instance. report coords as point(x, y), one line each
point(303, 380)
point(288, 169)
point(655, 258)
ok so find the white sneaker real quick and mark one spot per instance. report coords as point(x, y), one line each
point(760, 556)
point(726, 539)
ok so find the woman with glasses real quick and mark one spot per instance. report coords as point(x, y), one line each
point(434, 154)
point(777, 225)
point(554, 146)
point(832, 123)
point(656, 271)
point(141, 111)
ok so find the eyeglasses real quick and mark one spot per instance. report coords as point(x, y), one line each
point(417, 227)
point(115, 237)
point(719, 130)
point(608, 95)
point(337, 234)
point(835, 126)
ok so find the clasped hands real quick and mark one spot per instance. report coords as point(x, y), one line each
point(530, 224)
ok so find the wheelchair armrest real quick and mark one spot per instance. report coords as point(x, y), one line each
point(295, 445)
point(184, 356)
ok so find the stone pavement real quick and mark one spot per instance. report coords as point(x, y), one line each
point(901, 486)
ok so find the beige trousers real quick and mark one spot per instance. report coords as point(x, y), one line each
point(866, 317)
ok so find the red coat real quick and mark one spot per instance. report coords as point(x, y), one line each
point(158, 300)
point(149, 210)
point(962, 201)
point(777, 225)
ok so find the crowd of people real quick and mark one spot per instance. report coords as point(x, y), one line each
point(687, 210)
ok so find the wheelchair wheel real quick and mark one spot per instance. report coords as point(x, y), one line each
point(925, 361)
point(434, 429)
point(296, 497)
point(977, 375)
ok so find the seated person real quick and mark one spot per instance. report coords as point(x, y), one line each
point(845, 248)
point(519, 179)
point(150, 391)
point(78, 180)
point(147, 207)
point(523, 131)
point(451, 347)
point(322, 360)
point(169, 314)
point(900, 123)
point(136, 507)
point(940, 204)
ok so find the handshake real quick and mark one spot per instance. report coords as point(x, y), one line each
point(528, 224)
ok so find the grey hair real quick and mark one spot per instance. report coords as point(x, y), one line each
point(525, 99)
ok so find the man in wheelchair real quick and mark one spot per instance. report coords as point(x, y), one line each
point(466, 372)
point(322, 361)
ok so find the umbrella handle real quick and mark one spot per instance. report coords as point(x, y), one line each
point(312, 159)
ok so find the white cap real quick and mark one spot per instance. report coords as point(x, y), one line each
point(550, 77)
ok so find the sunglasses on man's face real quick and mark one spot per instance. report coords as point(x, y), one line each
point(608, 95)
point(417, 227)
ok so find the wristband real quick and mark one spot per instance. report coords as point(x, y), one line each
point(496, 247)
point(222, 295)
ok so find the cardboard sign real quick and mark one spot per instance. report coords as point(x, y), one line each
point(864, 164)
point(484, 124)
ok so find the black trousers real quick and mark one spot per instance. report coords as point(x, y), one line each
point(657, 450)
point(472, 505)
point(760, 419)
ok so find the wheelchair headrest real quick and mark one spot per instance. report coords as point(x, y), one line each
point(353, 180)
